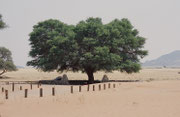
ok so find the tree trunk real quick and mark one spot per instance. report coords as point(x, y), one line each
point(90, 76)
point(2, 72)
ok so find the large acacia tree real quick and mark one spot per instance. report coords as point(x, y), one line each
point(89, 46)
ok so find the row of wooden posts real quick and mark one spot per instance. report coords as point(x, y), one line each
point(53, 89)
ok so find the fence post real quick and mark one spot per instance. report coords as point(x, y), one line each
point(88, 87)
point(6, 94)
point(109, 85)
point(31, 85)
point(104, 86)
point(79, 88)
point(71, 89)
point(99, 87)
point(26, 93)
point(13, 86)
point(38, 85)
point(53, 91)
point(2, 89)
point(41, 92)
point(93, 87)
point(20, 88)
point(114, 85)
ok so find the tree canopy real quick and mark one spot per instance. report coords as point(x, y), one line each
point(2, 24)
point(6, 62)
point(89, 46)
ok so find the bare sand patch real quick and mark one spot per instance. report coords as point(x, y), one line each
point(159, 98)
point(140, 99)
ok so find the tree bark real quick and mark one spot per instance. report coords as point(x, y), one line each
point(90, 76)
point(2, 72)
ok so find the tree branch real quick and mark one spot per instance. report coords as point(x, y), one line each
point(2, 72)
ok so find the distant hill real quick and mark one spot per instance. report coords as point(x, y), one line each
point(169, 60)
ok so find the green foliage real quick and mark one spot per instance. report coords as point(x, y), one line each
point(6, 63)
point(53, 46)
point(2, 24)
point(89, 46)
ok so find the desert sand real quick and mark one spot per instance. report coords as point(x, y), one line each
point(29, 74)
point(159, 97)
point(142, 99)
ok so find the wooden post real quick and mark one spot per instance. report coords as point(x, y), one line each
point(71, 89)
point(114, 85)
point(38, 85)
point(109, 85)
point(6, 94)
point(13, 86)
point(41, 92)
point(104, 86)
point(2, 89)
point(88, 87)
point(31, 85)
point(26, 93)
point(20, 87)
point(93, 87)
point(99, 87)
point(79, 88)
point(53, 91)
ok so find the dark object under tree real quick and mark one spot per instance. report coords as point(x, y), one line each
point(89, 46)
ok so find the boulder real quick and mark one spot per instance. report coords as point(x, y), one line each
point(105, 78)
point(62, 80)
point(58, 78)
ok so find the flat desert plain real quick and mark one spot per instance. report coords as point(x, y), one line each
point(29, 74)
point(156, 95)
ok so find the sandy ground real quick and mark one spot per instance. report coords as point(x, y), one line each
point(30, 74)
point(140, 99)
point(158, 95)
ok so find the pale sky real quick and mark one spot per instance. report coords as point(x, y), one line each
point(156, 20)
